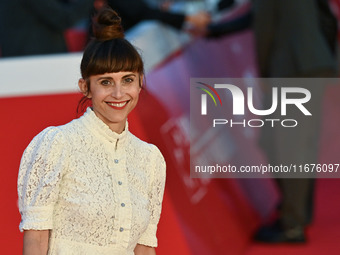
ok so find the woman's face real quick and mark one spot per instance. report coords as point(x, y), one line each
point(113, 95)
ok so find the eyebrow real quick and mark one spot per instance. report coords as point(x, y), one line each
point(104, 78)
point(128, 75)
point(110, 78)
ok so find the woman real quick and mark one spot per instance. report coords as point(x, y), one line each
point(90, 186)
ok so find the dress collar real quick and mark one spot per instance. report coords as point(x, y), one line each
point(99, 127)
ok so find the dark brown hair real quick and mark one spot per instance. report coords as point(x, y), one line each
point(108, 51)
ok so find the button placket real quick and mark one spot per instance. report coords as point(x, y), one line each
point(124, 214)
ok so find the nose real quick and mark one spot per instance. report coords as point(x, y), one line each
point(117, 92)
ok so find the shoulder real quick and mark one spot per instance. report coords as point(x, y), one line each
point(148, 155)
point(144, 147)
point(61, 133)
point(48, 139)
point(150, 158)
point(49, 134)
point(54, 135)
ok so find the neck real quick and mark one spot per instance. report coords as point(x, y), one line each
point(117, 127)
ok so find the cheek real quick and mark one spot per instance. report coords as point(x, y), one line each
point(138, 90)
point(98, 95)
point(136, 95)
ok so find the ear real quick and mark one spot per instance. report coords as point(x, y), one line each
point(141, 80)
point(82, 84)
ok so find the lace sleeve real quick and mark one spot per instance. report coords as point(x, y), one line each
point(39, 178)
point(156, 197)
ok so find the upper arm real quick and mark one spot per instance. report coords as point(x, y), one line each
point(59, 15)
point(156, 192)
point(142, 11)
point(39, 177)
point(158, 185)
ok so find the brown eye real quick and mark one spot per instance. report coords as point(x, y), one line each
point(128, 80)
point(105, 82)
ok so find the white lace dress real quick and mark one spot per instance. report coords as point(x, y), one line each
point(98, 191)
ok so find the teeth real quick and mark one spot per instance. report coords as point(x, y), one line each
point(118, 104)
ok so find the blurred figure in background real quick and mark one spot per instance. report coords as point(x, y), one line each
point(34, 27)
point(225, 4)
point(134, 11)
point(293, 39)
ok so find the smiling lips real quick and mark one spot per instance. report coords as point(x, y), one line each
point(117, 105)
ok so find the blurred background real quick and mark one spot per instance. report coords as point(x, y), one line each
point(39, 72)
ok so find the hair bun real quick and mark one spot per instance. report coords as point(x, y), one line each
point(107, 25)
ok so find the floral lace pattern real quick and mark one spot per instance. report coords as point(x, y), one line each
point(98, 191)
